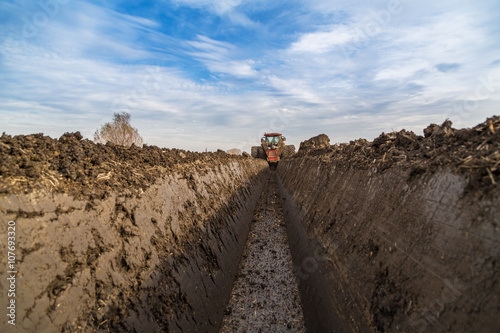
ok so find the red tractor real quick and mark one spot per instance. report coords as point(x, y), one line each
point(273, 149)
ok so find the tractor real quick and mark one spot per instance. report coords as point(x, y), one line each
point(273, 149)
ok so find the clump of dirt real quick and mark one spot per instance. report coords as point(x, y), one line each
point(82, 168)
point(317, 142)
point(475, 151)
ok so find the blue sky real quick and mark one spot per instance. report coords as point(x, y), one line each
point(198, 74)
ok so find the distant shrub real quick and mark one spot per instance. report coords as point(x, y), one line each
point(234, 151)
point(119, 132)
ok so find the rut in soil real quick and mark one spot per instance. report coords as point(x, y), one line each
point(265, 296)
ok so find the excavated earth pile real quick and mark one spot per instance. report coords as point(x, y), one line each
point(400, 234)
point(121, 239)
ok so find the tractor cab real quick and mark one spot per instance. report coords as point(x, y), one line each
point(272, 140)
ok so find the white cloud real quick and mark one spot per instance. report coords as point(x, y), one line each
point(403, 70)
point(224, 8)
point(295, 89)
point(219, 57)
point(395, 60)
point(210, 48)
point(323, 41)
point(241, 69)
point(217, 6)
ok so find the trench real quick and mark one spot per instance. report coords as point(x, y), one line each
point(265, 295)
point(235, 246)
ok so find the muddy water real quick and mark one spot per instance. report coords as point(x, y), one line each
point(265, 296)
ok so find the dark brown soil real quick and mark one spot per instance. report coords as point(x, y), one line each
point(82, 168)
point(401, 234)
point(265, 297)
point(472, 151)
point(317, 142)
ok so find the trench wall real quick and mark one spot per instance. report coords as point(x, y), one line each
point(160, 261)
point(391, 251)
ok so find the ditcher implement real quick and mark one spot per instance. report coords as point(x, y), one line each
point(273, 149)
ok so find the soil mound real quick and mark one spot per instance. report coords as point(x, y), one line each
point(317, 142)
point(475, 151)
point(80, 167)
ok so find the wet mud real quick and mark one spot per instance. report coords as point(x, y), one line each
point(265, 296)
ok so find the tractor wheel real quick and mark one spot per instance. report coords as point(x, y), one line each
point(289, 151)
point(262, 153)
point(255, 151)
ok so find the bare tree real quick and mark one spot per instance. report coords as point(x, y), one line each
point(119, 132)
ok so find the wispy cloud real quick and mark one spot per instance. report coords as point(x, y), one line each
point(219, 57)
point(324, 41)
point(217, 6)
point(194, 73)
point(446, 67)
point(224, 8)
